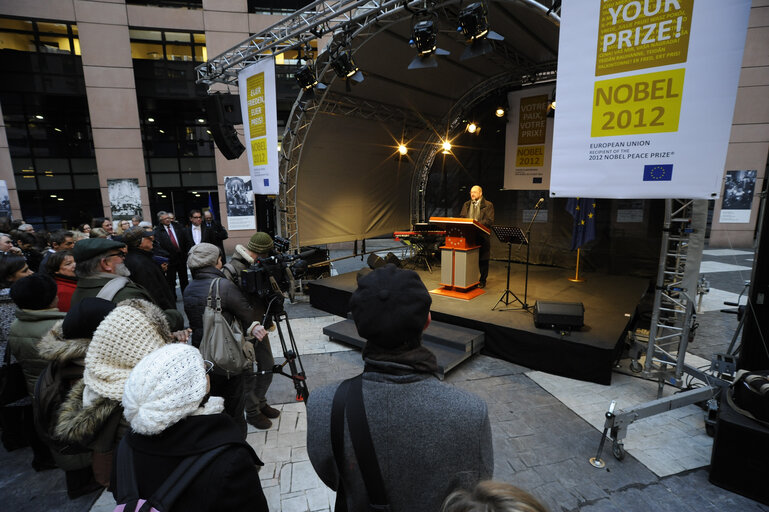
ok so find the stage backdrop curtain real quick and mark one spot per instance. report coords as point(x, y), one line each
point(348, 189)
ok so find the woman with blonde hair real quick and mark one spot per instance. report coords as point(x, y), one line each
point(491, 496)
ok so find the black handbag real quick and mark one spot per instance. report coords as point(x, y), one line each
point(13, 385)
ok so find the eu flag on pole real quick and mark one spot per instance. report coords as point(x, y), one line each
point(658, 172)
point(211, 206)
point(583, 211)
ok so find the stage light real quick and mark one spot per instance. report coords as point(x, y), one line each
point(500, 112)
point(473, 21)
point(306, 78)
point(424, 37)
point(343, 64)
point(402, 149)
point(551, 106)
point(446, 147)
point(472, 127)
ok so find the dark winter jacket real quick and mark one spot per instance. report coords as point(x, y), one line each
point(234, 303)
point(146, 272)
point(70, 356)
point(239, 262)
point(26, 332)
point(429, 437)
point(229, 482)
point(91, 286)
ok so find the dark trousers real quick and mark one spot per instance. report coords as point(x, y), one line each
point(180, 268)
point(233, 391)
point(257, 385)
point(484, 254)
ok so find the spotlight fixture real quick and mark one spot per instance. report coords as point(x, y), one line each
point(474, 25)
point(446, 147)
point(500, 112)
point(402, 149)
point(472, 127)
point(424, 37)
point(344, 65)
point(306, 78)
point(551, 106)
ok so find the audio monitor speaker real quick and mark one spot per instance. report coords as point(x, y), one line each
point(223, 113)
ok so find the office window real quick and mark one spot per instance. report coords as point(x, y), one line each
point(168, 45)
point(39, 36)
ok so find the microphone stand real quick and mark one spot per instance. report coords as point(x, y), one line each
point(528, 250)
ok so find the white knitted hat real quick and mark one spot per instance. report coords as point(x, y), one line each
point(166, 386)
point(131, 331)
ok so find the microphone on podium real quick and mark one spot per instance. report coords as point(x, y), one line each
point(539, 203)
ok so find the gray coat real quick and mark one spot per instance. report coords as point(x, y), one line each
point(429, 437)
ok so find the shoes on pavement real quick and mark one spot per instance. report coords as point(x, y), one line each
point(260, 421)
point(270, 412)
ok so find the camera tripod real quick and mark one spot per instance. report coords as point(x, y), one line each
point(276, 314)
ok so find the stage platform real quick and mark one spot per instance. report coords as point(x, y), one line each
point(588, 354)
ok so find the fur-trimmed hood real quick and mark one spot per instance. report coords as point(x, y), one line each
point(81, 425)
point(54, 347)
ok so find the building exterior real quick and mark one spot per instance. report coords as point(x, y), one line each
point(101, 90)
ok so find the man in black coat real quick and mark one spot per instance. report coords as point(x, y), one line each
point(144, 270)
point(482, 210)
point(209, 232)
point(172, 239)
point(219, 234)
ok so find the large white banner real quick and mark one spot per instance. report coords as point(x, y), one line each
point(646, 92)
point(529, 139)
point(258, 103)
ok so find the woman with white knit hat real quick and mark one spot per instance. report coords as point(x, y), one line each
point(92, 415)
point(172, 416)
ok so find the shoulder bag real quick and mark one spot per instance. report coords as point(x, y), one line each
point(222, 341)
point(13, 385)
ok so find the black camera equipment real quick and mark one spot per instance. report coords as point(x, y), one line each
point(268, 279)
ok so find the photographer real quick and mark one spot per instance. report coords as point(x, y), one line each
point(258, 413)
point(205, 263)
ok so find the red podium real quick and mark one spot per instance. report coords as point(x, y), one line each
point(459, 257)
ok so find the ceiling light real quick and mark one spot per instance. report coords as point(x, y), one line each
point(38, 116)
point(201, 120)
point(160, 193)
point(500, 112)
point(472, 127)
point(57, 130)
point(162, 131)
point(446, 147)
point(402, 149)
point(150, 119)
point(53, 195)
point(60, 199)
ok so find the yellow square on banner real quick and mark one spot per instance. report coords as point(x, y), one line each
point(259, 151)
point(257, 123)
point(530, 156)
point(532, 121)
point(641, 34)
point(649, 103)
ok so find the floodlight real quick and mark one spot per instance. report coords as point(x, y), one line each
point(306, 78)
point(473, 21)
point(424, 36)
point(343, 65)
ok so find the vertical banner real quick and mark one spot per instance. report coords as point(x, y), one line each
point(737, 200)
point(646, 93)
point(528, 139)
point(125, 198)
point(240, 202)
point(5, 202)
point(260, 124)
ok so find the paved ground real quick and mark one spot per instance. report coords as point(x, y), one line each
point(541, 442)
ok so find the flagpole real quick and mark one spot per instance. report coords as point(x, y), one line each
point(576, 278)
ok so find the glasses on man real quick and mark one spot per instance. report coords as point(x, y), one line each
point(208, 365)
point(197, 217)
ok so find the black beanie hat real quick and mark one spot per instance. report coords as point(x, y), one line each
point(390, 308)
point(84, 317)
point(35, 291)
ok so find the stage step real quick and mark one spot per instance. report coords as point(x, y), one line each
point(451, 344)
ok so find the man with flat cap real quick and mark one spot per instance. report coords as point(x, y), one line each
point(428, 437)
point(101, 271)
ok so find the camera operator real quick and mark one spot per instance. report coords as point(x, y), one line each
point(258, 413)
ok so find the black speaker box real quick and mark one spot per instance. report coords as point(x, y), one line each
point(740, 452)
point(224, 112)
point(559, 315)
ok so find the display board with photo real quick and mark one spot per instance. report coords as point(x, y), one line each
point(739, 187)
point(125, 198)
point(240, 202)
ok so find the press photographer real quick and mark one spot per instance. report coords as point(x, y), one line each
point(258, 413)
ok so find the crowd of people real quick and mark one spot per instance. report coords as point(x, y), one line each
point(117, 388)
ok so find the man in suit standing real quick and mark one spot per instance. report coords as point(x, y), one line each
point(218, 233)
point(482, 210)
point(172, 239)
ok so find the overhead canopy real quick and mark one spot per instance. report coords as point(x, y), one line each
point(351, 183)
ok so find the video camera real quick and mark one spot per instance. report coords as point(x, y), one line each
point(275, 274)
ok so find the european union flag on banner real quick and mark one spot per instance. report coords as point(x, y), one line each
point(583, 211)
point(658, 172)
point(266, 182)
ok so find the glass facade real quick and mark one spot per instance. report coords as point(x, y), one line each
point(45, 111)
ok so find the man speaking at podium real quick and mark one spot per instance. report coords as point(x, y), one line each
point(482, 210)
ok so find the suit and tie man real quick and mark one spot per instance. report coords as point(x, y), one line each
point(171, 237)
point(480, 209)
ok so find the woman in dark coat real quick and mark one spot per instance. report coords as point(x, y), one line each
point(205, 262)
point(172, 417)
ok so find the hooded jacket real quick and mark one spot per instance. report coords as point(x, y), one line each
point(26, 332)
